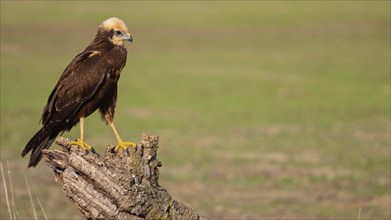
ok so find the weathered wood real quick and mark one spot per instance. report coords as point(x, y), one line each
point(121, 185)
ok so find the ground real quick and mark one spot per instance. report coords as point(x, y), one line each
point(264, 109)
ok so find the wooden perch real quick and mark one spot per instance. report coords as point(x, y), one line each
point(121, 185)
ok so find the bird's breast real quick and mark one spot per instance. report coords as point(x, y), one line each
point(113, 74)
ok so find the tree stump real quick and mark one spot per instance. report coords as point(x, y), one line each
point(122, 185)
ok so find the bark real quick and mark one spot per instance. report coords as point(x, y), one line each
point(122, 185)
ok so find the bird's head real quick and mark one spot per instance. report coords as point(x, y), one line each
point(118, 31)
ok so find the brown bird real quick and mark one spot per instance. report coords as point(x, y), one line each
point(88, 83)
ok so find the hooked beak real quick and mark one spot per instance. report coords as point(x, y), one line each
point(128, 38)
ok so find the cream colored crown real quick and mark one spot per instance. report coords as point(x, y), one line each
point(115, 24)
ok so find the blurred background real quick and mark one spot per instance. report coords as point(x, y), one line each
point(263, 109)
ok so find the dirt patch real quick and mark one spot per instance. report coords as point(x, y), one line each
point(307, 157)
point(139, 112)
point(267, 130)
point(383, 202)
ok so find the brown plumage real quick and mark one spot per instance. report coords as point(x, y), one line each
point(88, 83)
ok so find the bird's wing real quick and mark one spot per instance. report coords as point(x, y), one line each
point(79, 82)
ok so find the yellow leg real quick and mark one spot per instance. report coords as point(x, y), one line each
point(120, 144)
point(80, 141)
point(81, 128)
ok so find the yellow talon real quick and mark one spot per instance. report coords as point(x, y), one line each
point(80, 141)
point(81, 144)
point(121, 144)
point(124, 145)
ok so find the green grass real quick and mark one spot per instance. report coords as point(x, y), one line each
point(264, 109)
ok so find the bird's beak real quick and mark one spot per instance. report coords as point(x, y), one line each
point(128, 38)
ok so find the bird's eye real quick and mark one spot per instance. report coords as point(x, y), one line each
point(118, 32)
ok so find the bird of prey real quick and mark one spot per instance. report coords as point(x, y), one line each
point(87, 84)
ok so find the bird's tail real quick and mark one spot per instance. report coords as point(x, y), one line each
point(41, 140)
